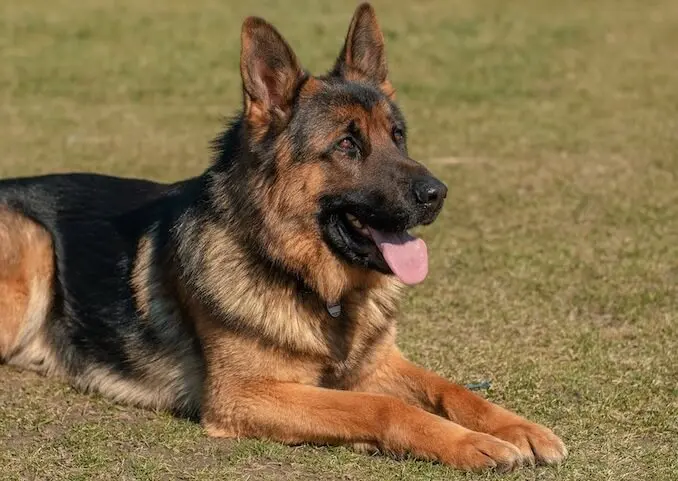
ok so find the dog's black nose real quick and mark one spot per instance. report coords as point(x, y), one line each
point(430, 191)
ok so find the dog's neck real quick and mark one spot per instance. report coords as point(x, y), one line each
point(235, 289)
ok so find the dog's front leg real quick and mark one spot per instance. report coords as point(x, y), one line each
point(398, 377)
point(296, 413)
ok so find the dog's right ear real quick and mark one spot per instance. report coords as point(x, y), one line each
point(270, 73)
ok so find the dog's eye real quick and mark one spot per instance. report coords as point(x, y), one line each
point(398, 135)
point(348, 146)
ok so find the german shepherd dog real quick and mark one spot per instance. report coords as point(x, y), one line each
point(259, 297)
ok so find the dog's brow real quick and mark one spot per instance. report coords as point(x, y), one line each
point(355, 130)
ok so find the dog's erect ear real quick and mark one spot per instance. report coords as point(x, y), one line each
point(363, 57)
point(270, 72)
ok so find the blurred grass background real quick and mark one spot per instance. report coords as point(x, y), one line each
point(554, 263)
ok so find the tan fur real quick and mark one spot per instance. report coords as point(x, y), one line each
point(172, 380)
point(167, 385)
point(295, 413)
point(398, 377)
point(304, 253)
point(26, 271)
point(142, 276)
point(310, 88)
point(275, 311)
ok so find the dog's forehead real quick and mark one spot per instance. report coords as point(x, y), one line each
point(353, 93)
point(333, 102)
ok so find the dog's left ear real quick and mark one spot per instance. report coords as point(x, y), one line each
point(363, 57)
point(270, 73)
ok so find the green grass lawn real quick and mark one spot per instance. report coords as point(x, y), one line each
point(554, 264)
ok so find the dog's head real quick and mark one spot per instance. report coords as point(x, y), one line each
point(334, 183)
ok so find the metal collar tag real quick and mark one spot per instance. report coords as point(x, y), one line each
point(334, 309)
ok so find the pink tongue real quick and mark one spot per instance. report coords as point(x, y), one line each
point(406, 255)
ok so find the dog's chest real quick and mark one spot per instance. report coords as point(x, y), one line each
point(355, 340)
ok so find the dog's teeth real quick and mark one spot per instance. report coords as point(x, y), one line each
point(356, 223)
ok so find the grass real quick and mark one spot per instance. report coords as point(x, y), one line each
point(553, 264)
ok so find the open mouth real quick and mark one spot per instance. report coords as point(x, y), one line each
point(399, 253)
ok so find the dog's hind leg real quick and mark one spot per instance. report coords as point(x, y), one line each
point(26, 293)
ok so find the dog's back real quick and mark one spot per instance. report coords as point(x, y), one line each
point(76, 252)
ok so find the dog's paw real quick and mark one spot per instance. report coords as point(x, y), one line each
point(536, 443)
point(477, 451)
point(365, 448)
